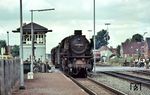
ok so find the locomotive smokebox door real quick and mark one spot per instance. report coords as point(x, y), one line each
point(77, 32)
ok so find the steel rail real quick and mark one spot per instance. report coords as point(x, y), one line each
point(142, 72)
point(90, 92)
point(116, 91)
point(144, 81)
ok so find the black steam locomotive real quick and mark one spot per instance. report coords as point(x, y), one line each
point(73, 55)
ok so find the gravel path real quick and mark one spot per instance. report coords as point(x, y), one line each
point(122, 85)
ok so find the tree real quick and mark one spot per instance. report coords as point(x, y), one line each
point(2, 44)
point(15, 51)
point(102, 38)
point(128, 40)
point(137, 38)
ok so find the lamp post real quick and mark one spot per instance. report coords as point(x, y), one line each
point(8, 42)
point(146, 57)
point(107, 24)
point(21, 51)
point(94, 36)
point(32, 34)
point(8, 38)
point(144, 34)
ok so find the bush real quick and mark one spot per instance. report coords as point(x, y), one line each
point(120, 61)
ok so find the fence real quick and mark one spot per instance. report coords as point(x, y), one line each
point(9, 75)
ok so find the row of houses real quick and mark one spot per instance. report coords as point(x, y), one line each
point(128, 49)
point(136, 49)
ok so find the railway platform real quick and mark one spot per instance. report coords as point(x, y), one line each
point(54, 83)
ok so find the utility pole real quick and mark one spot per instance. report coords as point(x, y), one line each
point(32, 42)
point(107, 24)
point(8, 42)
point(94, 36)
point(144, 34)
point(21, 51)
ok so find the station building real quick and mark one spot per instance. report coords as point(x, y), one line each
point(39, 41)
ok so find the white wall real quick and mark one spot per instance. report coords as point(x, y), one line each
point(39, 51)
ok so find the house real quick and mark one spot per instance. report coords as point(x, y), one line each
point(105, 53)
point(147, 48)
point(132, 49)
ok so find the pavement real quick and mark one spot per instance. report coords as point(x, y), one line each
point(50, 84)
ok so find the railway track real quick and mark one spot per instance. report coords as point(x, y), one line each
point(93, 87)
point(142, 72)
point(136, 79)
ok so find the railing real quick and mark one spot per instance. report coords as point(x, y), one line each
point(9, 75)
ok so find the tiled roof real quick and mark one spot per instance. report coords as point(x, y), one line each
point(104, 48)
point(132, 47)
point(36, 27)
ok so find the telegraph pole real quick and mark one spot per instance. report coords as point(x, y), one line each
point(94, 36)
point(21, 51)
point(8, 42)
point(107, 24)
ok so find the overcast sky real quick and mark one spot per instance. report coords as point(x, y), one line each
point(127, 17)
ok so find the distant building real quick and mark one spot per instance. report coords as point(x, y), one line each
point(132, 49)
point(39, 41)
point(105, 53)
point(147, 48)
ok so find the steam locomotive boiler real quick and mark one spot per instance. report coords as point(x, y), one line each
point(73, 55)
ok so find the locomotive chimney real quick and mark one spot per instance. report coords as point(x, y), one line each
point(77, 32)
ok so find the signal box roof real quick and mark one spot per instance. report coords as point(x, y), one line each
point(36, 27)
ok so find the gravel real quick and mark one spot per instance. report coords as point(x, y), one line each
point(122, 85)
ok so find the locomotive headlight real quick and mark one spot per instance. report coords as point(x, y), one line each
point(83, 59)
point(65, 58)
